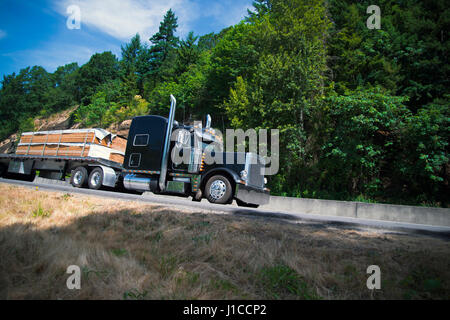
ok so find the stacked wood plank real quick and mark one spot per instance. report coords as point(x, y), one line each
point(96, 143)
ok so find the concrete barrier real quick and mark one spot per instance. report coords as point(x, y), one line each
point(373, 211)
point(313, 206)
point(409, 214)
point(38, 179)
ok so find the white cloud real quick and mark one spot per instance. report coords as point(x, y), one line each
point(122, 19)
point(2, 34)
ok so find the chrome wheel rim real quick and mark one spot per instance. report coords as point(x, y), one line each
point(78, 177)
point(95, 179)
point(217, 189)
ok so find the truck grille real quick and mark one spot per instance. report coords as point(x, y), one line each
point(254, 166)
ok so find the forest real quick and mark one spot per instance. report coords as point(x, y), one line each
point(363, 113)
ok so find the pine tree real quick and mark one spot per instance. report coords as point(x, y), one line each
point(261, 7)
point(163, 41)
point(135, 66)
point(130, 55)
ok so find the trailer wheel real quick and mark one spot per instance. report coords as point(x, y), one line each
point(95, 180)
point(218, 189)
point(79, 177)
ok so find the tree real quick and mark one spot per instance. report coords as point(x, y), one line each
point(94, 113)
point(130, 55)
point(421, 171)
point(12, 99)
point(101, 68)
point(407, 55)
point(23, 96)
point(234, 55)
point(362, 131)
point(208, 41)
point(260, 8)
point(187, 53)
point(164, 41)
point(135, 67)
point(64, 89)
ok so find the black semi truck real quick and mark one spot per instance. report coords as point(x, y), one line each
point(148, 165)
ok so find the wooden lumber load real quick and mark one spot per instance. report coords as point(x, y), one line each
point(97, 143)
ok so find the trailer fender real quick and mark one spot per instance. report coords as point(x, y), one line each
point(109, 176)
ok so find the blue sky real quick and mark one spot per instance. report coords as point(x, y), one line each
point(34, 32)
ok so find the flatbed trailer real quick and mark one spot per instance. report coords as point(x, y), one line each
point(58, 167)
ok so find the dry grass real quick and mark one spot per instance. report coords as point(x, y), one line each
point(138, 251)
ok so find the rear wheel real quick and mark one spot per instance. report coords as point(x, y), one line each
point(218, 189)
point(95, 180)
point(79, 177)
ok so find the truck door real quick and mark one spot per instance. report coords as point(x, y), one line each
point(145, 143)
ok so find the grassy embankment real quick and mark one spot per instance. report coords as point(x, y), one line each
point(130, 250)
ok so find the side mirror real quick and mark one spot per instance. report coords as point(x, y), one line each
point(183, 138)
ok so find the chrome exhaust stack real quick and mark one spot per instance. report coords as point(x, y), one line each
point(165, 155)
point(208, 121)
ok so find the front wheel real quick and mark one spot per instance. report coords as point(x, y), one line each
point(218, 189)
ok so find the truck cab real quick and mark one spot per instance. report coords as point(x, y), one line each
point(154, 142)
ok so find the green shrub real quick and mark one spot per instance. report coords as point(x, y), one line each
point(40, 212)
point(281, 281)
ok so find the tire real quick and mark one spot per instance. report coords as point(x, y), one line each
point(79, 177)
point(218, 189)
point(95, 180)
point(2, 170)
point(245, 204)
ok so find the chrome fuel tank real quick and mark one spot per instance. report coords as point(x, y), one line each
point(135, 182)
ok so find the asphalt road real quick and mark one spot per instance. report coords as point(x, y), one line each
point(180, 202)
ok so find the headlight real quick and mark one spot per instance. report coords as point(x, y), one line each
point(244, 175)
point(265, 180)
